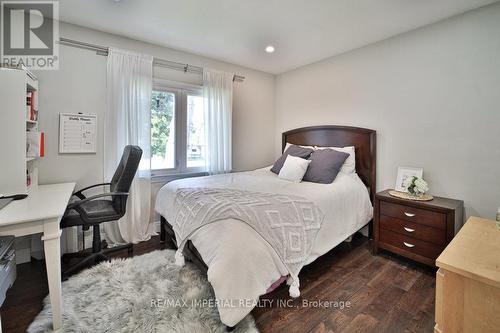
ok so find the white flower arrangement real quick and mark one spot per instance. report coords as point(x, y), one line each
point(416, 186)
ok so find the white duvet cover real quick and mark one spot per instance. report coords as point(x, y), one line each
point(241, 265)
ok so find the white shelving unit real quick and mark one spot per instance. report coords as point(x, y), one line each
point(15, 84)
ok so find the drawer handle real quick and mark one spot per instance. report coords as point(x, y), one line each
point(409, 214)
point(408, 244)
point(409, 229)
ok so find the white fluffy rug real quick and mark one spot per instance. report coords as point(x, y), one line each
point(132, 295)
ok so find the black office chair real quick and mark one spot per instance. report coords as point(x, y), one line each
point(94, 210)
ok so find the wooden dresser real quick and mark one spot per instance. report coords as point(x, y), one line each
point(415, 229)
point(468, 280)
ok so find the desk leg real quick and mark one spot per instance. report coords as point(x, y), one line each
point(51, 243)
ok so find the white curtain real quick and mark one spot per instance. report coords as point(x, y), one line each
point(128, 121)
point(218, 108)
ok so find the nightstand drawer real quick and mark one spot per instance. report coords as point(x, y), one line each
point(415, 215)
point(410, 244)
point(415, 230)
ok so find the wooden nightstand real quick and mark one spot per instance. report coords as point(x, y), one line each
point(419, 230)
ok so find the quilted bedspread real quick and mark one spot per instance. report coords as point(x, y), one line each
point(288, 223)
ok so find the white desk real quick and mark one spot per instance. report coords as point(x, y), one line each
point(41, 212)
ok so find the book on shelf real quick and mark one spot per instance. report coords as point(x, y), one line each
point(31, 178)
point(31, 105)
point(28, 105)
point(35, 144)
point(28, 179)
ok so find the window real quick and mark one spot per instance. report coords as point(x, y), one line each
point(195, 132)
point(177, 129)
point(163, 130)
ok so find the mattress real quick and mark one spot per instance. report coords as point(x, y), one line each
point(241, 265)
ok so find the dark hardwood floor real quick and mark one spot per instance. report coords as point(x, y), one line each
point(385, 294)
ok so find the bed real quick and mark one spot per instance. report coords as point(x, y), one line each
point(239, 264)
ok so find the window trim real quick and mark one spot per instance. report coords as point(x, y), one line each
point(184, 167)
point(181, 91)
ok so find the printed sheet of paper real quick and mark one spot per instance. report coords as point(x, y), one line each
point(77, 133)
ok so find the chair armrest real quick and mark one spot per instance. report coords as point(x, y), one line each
point(79, 193)
point(76, 204)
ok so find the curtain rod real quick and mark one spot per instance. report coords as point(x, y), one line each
point(102, 50)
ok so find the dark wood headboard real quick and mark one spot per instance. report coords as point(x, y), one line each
point(364, 140)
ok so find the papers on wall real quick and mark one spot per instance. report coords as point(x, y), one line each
point(77, 133)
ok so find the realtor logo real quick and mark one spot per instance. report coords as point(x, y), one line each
point(29, 34)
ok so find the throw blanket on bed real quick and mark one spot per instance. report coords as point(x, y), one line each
point(288, 223)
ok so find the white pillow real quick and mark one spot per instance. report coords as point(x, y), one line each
point(294, 169)
point(349, 165)
point(289, 144)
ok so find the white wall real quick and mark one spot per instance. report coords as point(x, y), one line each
point(80, 83)
point(432, 94)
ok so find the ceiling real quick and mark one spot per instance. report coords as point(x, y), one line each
point(237, 31)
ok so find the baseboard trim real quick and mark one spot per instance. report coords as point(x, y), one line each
point(157, 225)
point(38, 255)
point(23, 256)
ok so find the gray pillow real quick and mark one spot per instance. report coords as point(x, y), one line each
point(325, 165)
point(294, 151)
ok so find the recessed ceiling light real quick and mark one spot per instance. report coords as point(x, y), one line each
point(269, 49)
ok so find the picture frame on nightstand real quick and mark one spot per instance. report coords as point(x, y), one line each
point(403, 174)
